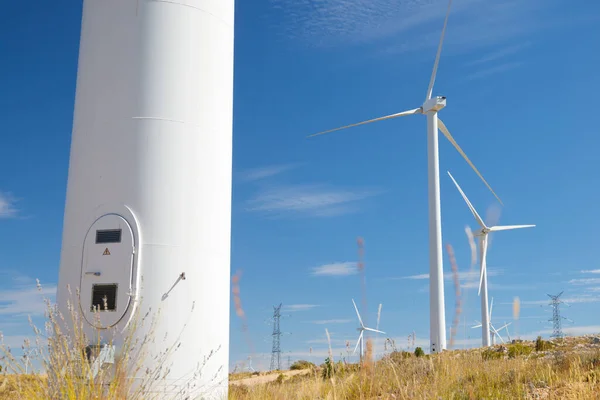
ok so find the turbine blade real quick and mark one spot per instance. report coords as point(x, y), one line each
point(483, 244)
point(508, 227)
point(476, 326)
point(446, 133)
point(496, 332)
point(502, 327)
point(374, 330)
point(400, 114)
point(358, 342)
point(491, 308)
point(359, 319)
point(437, 56)
point(464, 196)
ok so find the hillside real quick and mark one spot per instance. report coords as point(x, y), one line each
point(557, 369)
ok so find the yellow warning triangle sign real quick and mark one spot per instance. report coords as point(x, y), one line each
point(106, 252)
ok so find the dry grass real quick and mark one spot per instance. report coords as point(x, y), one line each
point(570, 370)
point(67, 373)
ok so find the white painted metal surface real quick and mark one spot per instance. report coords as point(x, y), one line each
point(437, 309)
point(152, 143)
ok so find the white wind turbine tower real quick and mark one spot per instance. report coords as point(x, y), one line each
point(483, 244)
point(362, 329)
point(430, 108)
point(492, 330)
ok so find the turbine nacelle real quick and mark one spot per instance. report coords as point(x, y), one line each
point(434, 104)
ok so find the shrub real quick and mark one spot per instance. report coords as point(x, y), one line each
point(327, 371)
point(518, 349)
point(542, 345)
point(280, 378)
point(491, 354)
point(302, 364)
point(419, 352)
point(398, 356)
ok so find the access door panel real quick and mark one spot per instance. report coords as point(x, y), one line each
point(107, 271)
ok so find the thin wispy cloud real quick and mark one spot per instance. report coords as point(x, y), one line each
point(407, 25)
point(463, 275)
point(25, 300)
point(585, 281)
point(7, 205)
point(498, 54)
point(255, 174)
point(414, 277)
point(569, 331)
point(585, 298)
point(496, 286)
point(332, 321)
point(591, 271)
point(336, 269)
point(298, 307)
point(312, 200)
point(495, 70)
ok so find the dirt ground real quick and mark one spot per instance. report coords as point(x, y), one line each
point(261, 379)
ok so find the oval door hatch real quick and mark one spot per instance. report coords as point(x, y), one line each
point(107, 271)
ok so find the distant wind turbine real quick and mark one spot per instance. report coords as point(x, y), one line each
point(362, 329)
point(430, 108)
point(483, 244)
point(492, 330)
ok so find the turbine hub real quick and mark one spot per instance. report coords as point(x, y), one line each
point(436, 103)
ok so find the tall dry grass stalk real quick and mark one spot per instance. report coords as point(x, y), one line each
point(239, 311)
point(457, 294)
point(360, 242)
point(66, 357)
point(516, 312)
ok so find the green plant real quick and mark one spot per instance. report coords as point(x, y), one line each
point(280, 378)
point(302, 364)
point(419, 352)
point(518, 349)
point(542, 345)
point(327, 371)
point(491, 354)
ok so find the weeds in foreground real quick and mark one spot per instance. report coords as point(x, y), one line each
point(67, 361)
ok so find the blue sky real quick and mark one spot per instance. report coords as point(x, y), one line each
point(520, 78)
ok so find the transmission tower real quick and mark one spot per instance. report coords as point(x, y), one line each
point(276, 349)
point(556, 317)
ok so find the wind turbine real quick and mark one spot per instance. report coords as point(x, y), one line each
point(362, 329)
point(492, 330)
point(430, 108)
point(483, 244)
point(250, 368)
